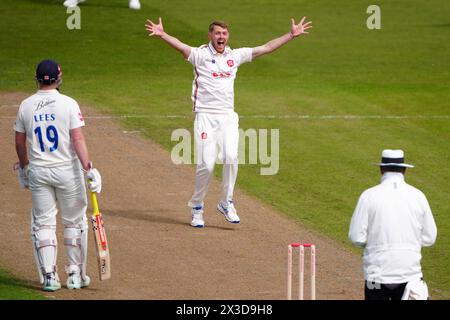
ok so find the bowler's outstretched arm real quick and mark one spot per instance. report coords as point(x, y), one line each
point(271, 46)
point(158, 30)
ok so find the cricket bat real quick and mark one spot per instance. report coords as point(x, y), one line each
point(104, 264)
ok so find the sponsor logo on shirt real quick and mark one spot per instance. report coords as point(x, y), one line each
point(221, 74)
point(80, 116)
point(44, 103)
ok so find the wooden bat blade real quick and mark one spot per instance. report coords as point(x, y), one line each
point(104, 263)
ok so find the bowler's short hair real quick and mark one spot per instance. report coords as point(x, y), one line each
point(217, 23)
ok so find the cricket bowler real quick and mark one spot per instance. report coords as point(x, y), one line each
point(216, 123)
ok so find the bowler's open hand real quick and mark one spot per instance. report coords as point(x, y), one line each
point(155, 29)
point(299, 29)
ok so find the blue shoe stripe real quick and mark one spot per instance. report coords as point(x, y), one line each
point(223, 208)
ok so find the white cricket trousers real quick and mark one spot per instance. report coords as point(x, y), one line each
point(215, 134)
point(63, 185)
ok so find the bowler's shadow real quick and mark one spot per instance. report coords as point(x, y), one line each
point(440, 25)
point(151, 215)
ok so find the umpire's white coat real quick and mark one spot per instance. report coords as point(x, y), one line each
point(392, 221)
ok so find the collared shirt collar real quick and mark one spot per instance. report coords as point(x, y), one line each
point(211, 48)
point(392, 176)
point(47, 91)
point(214, 52)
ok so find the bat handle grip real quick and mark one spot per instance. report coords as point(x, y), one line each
point(94, 204)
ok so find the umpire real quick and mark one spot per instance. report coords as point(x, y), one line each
point(392, 222)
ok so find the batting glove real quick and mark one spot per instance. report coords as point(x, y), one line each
point(22, 175)
point(94, 180)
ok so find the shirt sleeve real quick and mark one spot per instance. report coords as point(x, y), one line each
point(358, 225)
point(243, 55)
point(429, 230)
point(196, 56)
point(19, 126)
point(76, 117)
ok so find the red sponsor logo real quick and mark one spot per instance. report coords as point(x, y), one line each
point(80, 116)
point(230, 63)
point(101, 231)
point(221, 74)
point(204, 135)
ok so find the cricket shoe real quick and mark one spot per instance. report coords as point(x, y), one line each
point(72, 3)
point(85, 282)
point(51, 282)
point(134, 4)
point(74, 280)
point(197, 217)
point(228, 210)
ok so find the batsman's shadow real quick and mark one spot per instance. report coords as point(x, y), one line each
point(153, 216)
point(35, 286)
point(15, 282)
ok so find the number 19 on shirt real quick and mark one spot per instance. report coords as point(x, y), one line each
point(51, 135)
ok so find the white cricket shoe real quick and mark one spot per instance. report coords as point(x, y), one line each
point(228, 210)
point(85, 282)
point(197, 217)
point(72, 3)
point(74, 280)
point(51, 282)
point(135, 4)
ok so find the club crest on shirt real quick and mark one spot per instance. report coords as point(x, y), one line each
point(230, 63)
point(204, 135)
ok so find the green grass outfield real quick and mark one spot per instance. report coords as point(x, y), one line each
point(14, 289)
point(341, 68)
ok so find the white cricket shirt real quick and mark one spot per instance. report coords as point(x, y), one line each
point(393, 221)
point(47, 118)
point(214, 74)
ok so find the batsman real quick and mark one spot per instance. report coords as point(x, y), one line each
point(216, 125)
point(52, 157)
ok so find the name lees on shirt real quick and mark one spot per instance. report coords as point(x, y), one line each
point(44, 117)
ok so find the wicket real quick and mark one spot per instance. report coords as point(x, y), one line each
point(301, 267)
